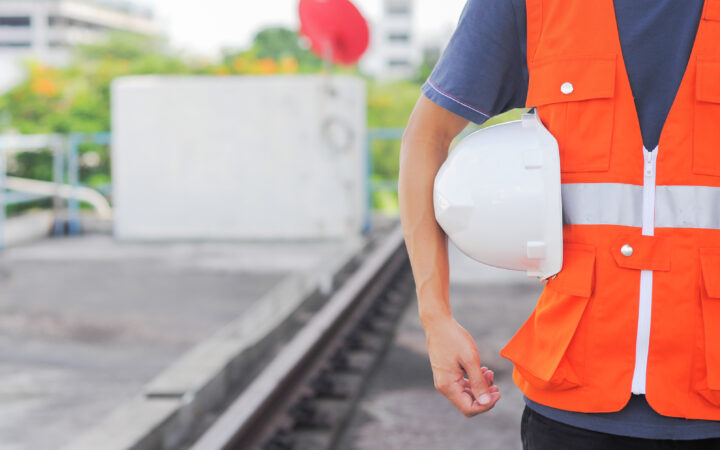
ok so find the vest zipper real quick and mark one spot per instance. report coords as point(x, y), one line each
point(646, 276)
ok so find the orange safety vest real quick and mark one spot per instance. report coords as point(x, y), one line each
point(636, 307)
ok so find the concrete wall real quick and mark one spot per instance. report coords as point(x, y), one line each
point(242, 157)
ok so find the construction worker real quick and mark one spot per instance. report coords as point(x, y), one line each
point(623, 348)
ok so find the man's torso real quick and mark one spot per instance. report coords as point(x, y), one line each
point(484, 72)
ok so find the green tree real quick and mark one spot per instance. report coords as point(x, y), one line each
point(277, 44)
point(76, 98)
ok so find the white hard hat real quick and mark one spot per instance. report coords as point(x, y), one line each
point(497, 197)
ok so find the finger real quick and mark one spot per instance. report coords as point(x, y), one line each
point(490, 377)
point(495, 395)
point(478, 383)
point(466, 384)
point(493, 388)
point(465, 402)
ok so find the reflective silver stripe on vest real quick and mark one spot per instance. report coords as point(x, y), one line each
point(621, 204)
point(602, 204)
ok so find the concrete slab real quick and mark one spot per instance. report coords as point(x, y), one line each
point(134, 415)
point(27, 228)
point(86, 323)
point(402, 410)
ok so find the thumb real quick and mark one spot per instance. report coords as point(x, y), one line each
point(478, 382)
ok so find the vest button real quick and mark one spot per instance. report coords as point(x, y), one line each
point(626, 250)
point(567, 88)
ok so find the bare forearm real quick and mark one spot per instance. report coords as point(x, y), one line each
point(424, 149)
point(425, 240)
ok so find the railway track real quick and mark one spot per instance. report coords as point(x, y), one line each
point(303, 399)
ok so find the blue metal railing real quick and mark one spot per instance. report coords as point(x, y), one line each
point(73, 158)
point(375, 135)
point(20, 143)
point(66, 169)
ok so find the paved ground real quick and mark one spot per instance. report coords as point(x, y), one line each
point(86, 322)
point(401, 410)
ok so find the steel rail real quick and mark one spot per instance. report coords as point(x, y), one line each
point(254, 413)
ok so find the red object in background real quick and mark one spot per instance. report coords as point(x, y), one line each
point(336, 28)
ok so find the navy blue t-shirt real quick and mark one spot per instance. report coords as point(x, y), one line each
point(483, 72)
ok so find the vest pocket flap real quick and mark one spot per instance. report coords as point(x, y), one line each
point(577, 274)
point(706, 132)
point(571, 79)
point(540, 348)
point(708, 80)
point(648, 252)
point(710, 265)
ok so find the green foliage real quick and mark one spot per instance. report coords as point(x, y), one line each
point(390, 103)
point(97, 174)
point(36, 165)
point(389, 106)
point(430, 59)
point(76, 98)
point(280, 43)
point(274, 50)
point(513, 114)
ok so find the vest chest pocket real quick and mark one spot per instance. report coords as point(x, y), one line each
point(708, 384)
point(574, 97)
point(706, 145)
point(546, 349)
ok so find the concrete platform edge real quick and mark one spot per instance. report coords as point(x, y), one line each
point(200, 381)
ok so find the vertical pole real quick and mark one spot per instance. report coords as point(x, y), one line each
point(369, 167)
point(3, 174)
point(73, 169)
point(58, 169)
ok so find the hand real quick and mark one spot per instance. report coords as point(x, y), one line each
point(453, 354)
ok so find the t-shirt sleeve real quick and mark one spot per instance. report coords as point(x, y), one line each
point(483, 70)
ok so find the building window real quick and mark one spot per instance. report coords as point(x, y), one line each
point(59, 21)
point(398, 10)
point(15, 44)
point(398, 37)
point(55, 21)
point(14, 21)
point(399, 63)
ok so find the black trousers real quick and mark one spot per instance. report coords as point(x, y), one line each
point(541, 433)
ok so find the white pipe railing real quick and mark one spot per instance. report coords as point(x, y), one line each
point(83, 194)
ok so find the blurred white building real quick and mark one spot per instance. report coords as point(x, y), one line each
point(394, 49)
point(46, 30)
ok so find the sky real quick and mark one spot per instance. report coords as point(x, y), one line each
point(207, 26)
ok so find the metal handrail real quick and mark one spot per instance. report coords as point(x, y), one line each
point(66, 165)
point(67, 191)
